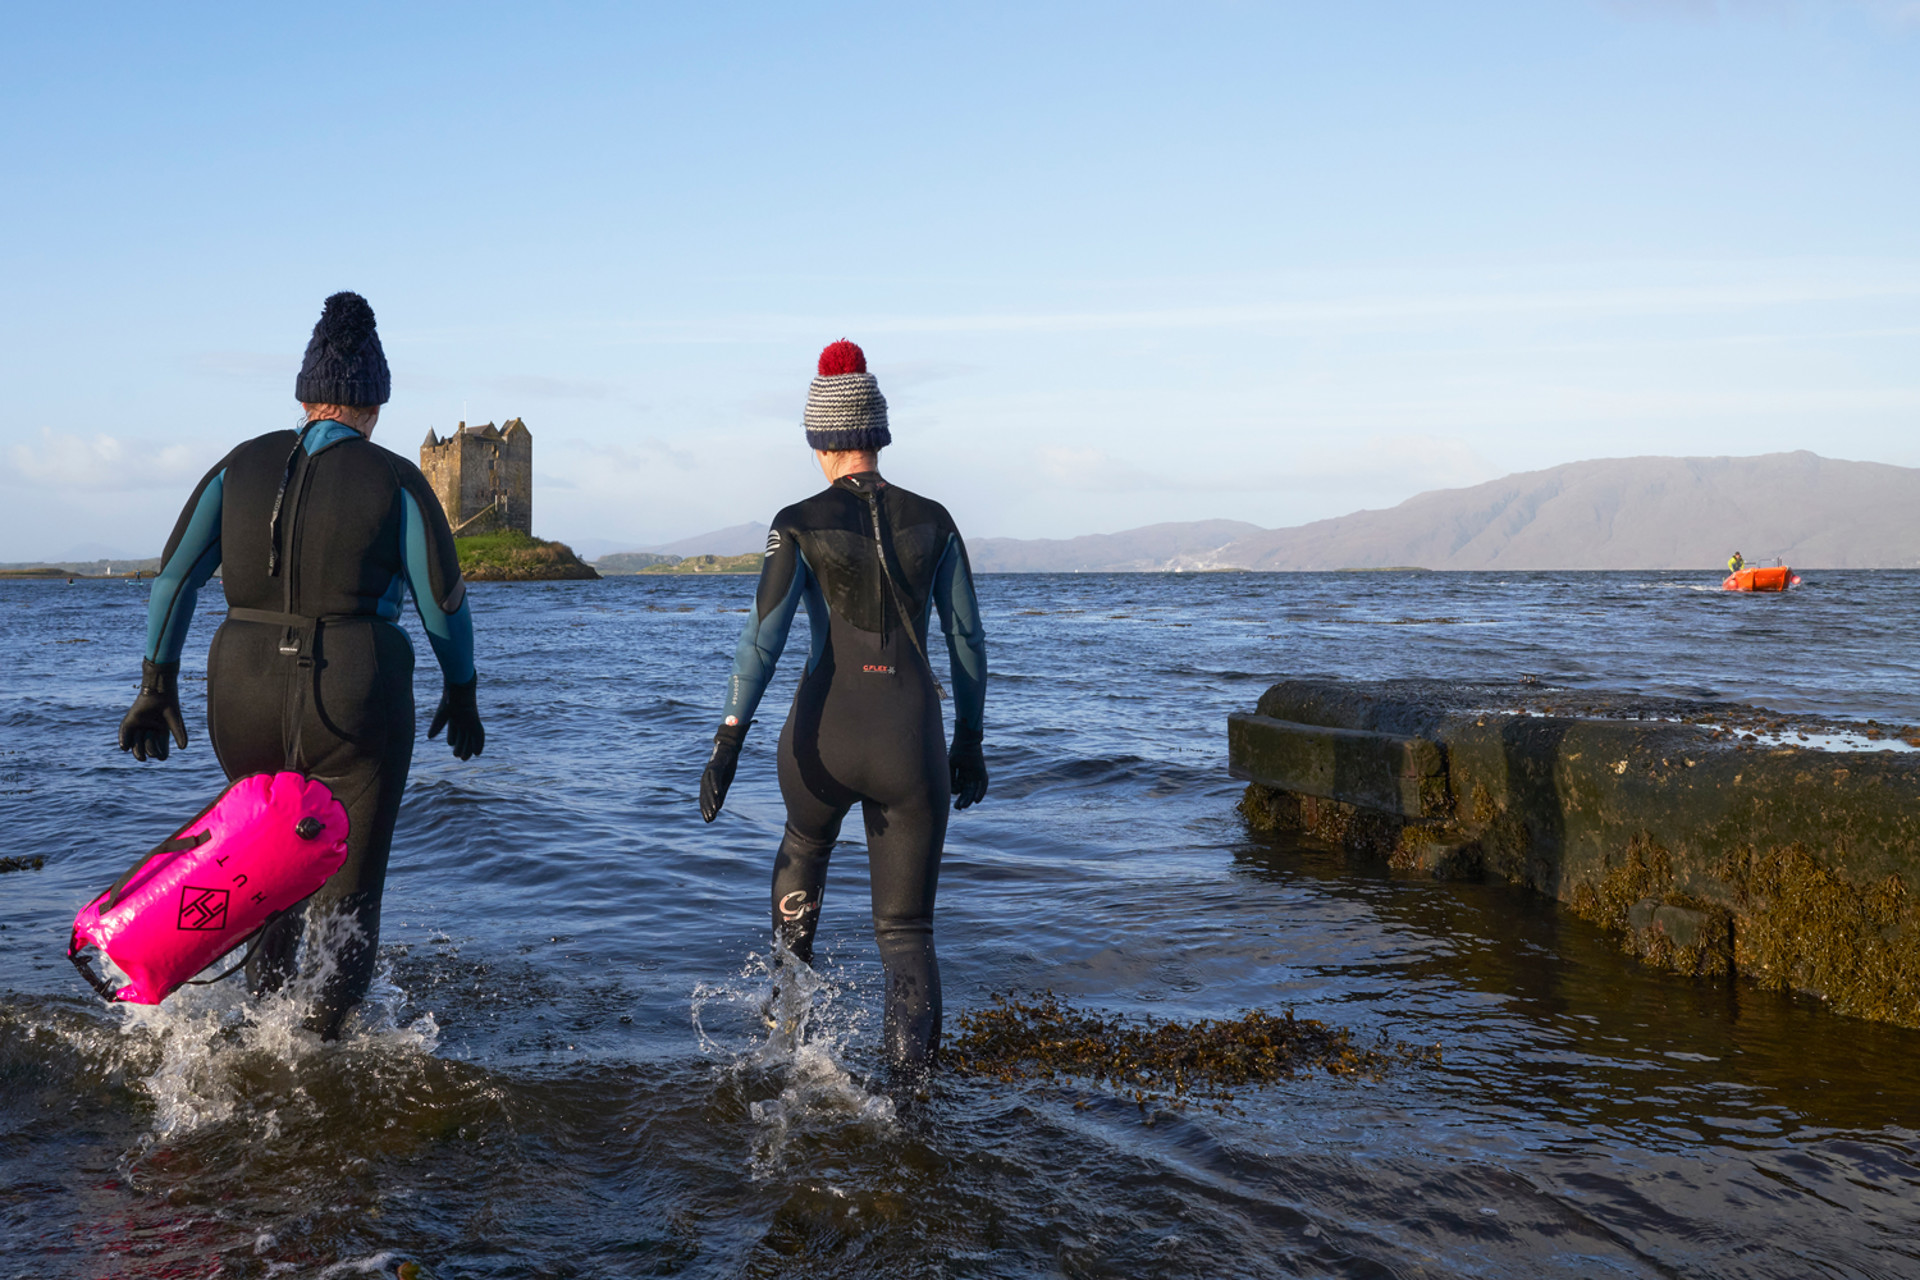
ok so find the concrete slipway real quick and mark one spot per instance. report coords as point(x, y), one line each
point(1715, 838)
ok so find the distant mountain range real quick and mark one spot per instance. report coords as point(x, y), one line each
point(1614, 513)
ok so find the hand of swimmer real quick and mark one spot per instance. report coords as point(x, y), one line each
point(720, 766)
point(968, 764)
point(155, 712)
point(459, 714)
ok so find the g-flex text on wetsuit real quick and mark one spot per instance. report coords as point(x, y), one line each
point(310, 670)
point(865, 723)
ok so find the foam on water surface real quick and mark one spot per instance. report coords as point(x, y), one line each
point(782, 1024)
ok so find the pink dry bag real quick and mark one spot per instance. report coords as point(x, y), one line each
point(265, 845)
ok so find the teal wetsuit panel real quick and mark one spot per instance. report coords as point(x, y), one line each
point(785, 580)
point(193, 553)
point(450, 634)
point(966, 637)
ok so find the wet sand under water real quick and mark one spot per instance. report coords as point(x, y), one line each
point(565, 1071)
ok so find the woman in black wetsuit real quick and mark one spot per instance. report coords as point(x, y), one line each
point(871, 561)
point(322, 534)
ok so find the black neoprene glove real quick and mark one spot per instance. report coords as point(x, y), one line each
point(720, 766)
point(155, 712)
point(459, 714)
point(968, 764)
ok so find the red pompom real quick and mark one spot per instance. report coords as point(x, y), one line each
point(842, 357)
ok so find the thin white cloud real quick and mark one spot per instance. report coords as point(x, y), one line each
point(535, 387)
point(1735, 288)
point(641, 454)
point(1395, 463)
point(251, 367)
point(100, 463)
point(1897, 12)
point(1318, 316)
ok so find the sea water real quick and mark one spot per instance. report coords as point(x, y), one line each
point(564, 1069)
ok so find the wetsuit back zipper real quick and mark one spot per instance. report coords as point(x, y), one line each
point(880, 583)
point(888, 580)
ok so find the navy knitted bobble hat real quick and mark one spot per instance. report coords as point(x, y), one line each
point(344, 363)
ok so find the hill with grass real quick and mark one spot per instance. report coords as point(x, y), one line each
point(519, 557)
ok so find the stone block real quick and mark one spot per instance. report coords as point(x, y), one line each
point(1389, 773)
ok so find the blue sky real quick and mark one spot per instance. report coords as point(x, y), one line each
point(1112, 264)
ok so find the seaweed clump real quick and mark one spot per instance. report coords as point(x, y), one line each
point(1153, 1058)
point(1804, 924)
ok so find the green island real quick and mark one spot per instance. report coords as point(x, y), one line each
point(519, 557)
point(749, 563)
point(627, 563)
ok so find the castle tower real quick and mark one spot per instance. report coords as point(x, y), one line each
point(483, 477)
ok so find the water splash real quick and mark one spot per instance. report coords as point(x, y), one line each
point(207, 1053)
point(782, 1024)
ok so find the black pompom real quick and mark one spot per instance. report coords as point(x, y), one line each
point(308, 828)
point(345, 323)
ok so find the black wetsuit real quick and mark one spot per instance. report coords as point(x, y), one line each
point(865, 724)
point(310, 670)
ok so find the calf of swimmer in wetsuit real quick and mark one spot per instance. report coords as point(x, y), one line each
point(320, 535)
point(870, 562)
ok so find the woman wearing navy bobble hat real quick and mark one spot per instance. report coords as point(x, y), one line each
point(872, 562)
point(321, 533)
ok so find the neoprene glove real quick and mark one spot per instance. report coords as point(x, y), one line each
point(720, 766)
point(459, 714)
point(968, 764)
point(155, 713)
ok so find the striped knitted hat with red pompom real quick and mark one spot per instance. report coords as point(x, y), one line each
point(845, 409)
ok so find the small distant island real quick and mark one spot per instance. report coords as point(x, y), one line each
point(636, 562)
point(483, 477)
point(126, 569)
point(513, 556)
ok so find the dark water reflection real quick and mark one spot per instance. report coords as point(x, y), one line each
point(565, 1074)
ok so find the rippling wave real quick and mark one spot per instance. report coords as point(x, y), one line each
point(567, 1068)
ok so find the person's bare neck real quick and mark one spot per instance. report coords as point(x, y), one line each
point(360, 419)
point(846, 462)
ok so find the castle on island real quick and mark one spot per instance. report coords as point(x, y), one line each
point(483, 476)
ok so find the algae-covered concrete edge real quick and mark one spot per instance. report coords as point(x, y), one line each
point(1709, 849)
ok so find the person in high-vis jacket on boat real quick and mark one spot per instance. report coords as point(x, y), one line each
point(871, 562)
point(319, 535)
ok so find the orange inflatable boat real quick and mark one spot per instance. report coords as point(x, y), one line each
point(1775, 578)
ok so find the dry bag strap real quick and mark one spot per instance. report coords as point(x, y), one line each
point(172, 844)
point(107, 990)
point(254, 940)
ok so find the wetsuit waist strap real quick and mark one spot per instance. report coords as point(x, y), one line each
point(273, 619)
point(295, 627)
